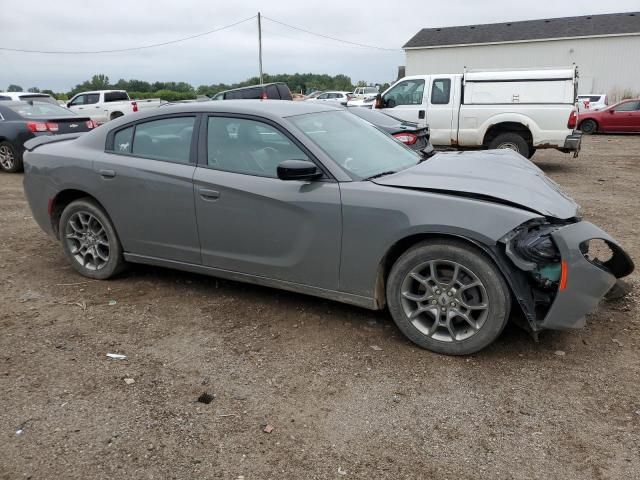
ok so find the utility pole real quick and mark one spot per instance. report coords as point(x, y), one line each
point(260, 45)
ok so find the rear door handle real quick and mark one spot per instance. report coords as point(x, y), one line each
point(207, 194)
point(107, 173)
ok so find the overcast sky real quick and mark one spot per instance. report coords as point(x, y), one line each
point(231, 55)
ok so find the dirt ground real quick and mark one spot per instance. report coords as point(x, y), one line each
point(567, 407)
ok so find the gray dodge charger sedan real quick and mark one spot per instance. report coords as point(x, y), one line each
point(313, 199)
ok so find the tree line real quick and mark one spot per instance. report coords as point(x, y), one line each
point(174, 91)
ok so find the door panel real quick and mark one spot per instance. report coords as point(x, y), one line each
point(407, 100)
point(287, 230)
point(440, 111)
point(151, 205)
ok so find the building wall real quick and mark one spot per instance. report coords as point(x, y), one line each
point(607, 64)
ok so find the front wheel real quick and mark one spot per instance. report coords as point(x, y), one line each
point(448, 297)
point(512, 141)
point(89, 240)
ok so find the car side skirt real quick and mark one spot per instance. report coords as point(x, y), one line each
point(342, 297)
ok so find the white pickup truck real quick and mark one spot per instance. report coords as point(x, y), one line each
point(104, 105)
point(522, 109)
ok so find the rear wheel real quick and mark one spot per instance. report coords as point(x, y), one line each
point(10, 160)
point(512, 141)
point(448, 297)
point(589, 126)
point(89, 240)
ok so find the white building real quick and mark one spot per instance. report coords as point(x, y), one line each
point(606, 49)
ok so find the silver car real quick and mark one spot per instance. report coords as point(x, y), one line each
point(313, 199)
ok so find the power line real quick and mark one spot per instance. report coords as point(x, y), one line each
point(329, 37)
point(131, 48)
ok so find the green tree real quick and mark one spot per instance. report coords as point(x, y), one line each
point(33, 90)
point(14, 88)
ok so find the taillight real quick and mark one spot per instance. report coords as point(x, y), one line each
point(135, 106)
point(37, 126)
point(264, 96)
point(52, 127)
point(406, 138)
point(91, 124)
point(573, 117)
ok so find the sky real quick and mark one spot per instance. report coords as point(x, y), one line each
point(231, 55)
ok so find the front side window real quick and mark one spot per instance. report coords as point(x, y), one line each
point(628, 107)
point(79, 100)
point(323, 96)
point(248, 146)
point(407, 92)
point(440, 91)
point(165, 139)
point(355, 144)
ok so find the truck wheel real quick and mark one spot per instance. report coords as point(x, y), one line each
point(589, 126)
point(10, 161)
point(512, 141)
point(448, 297)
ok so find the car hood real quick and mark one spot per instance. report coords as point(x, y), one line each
point(503, 176)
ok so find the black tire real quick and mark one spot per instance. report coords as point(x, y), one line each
point(513, 141)
point(532, 152)
point(474, 265)
point(589, 127)
point(91, 263)
point(10, 159)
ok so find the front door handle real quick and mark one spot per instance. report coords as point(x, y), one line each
point(207, 194)
point(421, 114)
point(107, 173)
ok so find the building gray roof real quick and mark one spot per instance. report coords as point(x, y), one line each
point(567, 27)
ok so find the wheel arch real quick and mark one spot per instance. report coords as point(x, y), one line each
point(510, 126)
point(64, 198)
point(512, 276)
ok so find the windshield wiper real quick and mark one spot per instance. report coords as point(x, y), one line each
point(382, 174)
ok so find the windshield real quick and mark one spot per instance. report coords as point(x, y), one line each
point(38, 109)
point(354, 144)
point(38, 98)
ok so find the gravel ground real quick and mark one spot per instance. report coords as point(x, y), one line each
point(346, 395)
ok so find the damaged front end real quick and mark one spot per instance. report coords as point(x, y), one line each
point(563, 269)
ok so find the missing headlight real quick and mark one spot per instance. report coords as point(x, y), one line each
point(537, 246)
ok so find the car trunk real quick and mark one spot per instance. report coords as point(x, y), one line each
point(67, 124)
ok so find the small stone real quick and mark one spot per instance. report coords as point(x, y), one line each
point(617, 342)
point(112, 303)
point(376, 348)
point(268, 428)
point(129, 381)
point(559, 353)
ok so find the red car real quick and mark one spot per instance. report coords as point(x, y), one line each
point(621, 117)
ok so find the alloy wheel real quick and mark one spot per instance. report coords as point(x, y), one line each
point(509, 145)
point(87, 240)
point(7, 159)
point(445, 300)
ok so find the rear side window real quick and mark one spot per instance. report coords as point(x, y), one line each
point(440, 91)
point(166, 139)
point(115, 97)
point(122, 140)
point(285, 93)
point(272, 92)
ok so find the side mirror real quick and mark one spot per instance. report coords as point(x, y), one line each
point(378, 101)
point(298, 170)
point(612, 111)
point(69, 105)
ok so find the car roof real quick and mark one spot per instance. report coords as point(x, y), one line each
point(264, 108)
point(25, 94)
point(253, 86)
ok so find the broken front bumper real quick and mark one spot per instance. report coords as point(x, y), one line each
point(585, 282)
